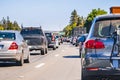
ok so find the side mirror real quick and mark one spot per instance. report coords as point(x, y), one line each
point(82, 39)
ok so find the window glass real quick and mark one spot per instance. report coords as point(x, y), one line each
point(31, 31)
point(7, 36)
point(106, 27)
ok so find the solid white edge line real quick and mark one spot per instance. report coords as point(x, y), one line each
point(40, 65)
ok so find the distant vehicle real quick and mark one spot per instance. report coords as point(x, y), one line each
point(57, 42)
point(80, 43)
point(101, 55)
point(13, 47)
point(35, 38)
point(77, 40)
point(74, 40)
point(59, 39)
point(51, 40)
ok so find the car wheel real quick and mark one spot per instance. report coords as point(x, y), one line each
point(80, 53)
point(76, 45)
point(54, 48)
point(46, 50)
point(42, 51)
point(21, 61)
point(28, 59)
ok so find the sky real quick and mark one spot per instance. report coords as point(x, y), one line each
point(52, 15)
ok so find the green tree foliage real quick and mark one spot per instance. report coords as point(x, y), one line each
point(80, 22)
point(74, 17)
point(91, 16)
point(67, 30)
point(75, 21)
point(6, 24)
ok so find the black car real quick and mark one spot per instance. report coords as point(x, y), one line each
point(35, 38)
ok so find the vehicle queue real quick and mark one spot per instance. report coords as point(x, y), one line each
point(99, 49)
point(16, 46)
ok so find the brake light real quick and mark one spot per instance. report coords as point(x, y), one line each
point(94, 44)
point(53, 38)
point(92, 69)
point(13, 46)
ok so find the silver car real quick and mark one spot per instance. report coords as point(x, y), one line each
point(13, 47)
point(101, 55)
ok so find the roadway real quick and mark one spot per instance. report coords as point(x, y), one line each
point(60, 64)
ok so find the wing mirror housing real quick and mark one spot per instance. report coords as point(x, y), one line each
point(82, 39)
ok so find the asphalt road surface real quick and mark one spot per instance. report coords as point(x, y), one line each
point(60, 64)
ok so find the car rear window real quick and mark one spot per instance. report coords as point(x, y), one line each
point(31, 31)
point(105, 27)
point(7, 36)
point(48, 34)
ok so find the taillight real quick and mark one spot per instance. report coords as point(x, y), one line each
point(92, 69)
point(13, 46)
point(53, 38)
point(94, 44)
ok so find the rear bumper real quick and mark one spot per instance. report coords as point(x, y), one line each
point(10, 56)
point(111, 74)
point(51, 45)
point(35, 47)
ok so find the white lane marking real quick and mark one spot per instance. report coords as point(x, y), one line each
point(40, 65)
point(20, 76)
point(63, 50)
point(56, 55)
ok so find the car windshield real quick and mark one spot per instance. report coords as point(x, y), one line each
point(105, 27)
point(31, 31)
point(7, 36)
point(48, 34)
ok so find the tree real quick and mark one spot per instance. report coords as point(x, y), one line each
point(15, 26)
point(91, 16)
point(75, 21)
point(6, 24)
point(80, 22)
point(74, 17)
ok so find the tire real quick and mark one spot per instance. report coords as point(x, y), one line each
point(42, 51)
point(76, 45)
point(27, 60)
point(20, 63)
point(46, 50)
point(54, 48)
point(80, 54)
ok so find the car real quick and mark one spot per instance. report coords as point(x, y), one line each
point(57, 42)
point(59, 39)
point(13, 47)
point(74, 39)
point(80, 43)
point(51, 40)
point(101, 56)
point(36, 39)
point(77, 40)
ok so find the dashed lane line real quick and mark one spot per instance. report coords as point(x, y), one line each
point(40, 65)
point(56, 55)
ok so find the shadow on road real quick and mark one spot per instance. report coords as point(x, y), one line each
point(8, 64)
point(72, 56)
